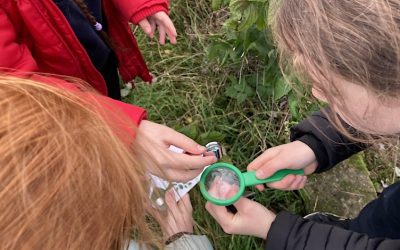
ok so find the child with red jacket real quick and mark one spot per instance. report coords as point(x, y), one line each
point(90, 40)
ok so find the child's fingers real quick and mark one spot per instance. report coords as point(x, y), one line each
point(170, 200)
point(296, 183)
point(300, 183)
point(271, 167)
point(220, 214)
point(161, 33)
point(292, 182)
point(283, 184)
point(185, 203)
point(170, 29)
point(182, 141)
point(260, 187)
point(146, 27)
point(243, 204)
point(262, 160)
point(190, 162)
point(303, 184)
point(230, 223)
point(153, 26)
point(171, 32)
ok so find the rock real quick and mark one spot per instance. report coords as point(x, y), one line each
point(343, 190)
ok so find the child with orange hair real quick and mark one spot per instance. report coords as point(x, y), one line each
point(73, 176)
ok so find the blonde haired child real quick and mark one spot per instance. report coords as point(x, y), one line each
point(349, 51)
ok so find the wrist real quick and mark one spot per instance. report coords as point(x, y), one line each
point(176, 236)
point(266, 225)
point(305, 150)
point(308, 155)
point(146, 12)
point(170, 231)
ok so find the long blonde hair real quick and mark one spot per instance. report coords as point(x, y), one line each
point(67, 181)
point(357, 41)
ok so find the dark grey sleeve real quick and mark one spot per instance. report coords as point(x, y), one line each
point(329, 146)
point(290, 231)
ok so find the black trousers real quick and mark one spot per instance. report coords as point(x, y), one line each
point(380, 217)
point(110, 75)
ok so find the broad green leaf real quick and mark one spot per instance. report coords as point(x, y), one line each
point(210, 136)
point(191, 131)
point(294, 106)
point(281, 88)
point(218, 50)
point(249, 17)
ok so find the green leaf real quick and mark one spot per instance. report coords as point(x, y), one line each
point(294, 106)
point(210, 136)
point(219, 50)
point(216, 4)
point(281, 88)
point(249, 17)
point(261, 22)
point(191, 131)
point(240, 91)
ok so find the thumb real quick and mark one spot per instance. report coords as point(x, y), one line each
point(273, 166)
point(146, 27)
point(243, 204)
point(182, 141)
point(263, 159)
point(219, 213)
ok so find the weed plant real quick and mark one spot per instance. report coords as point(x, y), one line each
point(207, 100)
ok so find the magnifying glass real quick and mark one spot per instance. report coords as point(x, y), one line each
point(223, 184)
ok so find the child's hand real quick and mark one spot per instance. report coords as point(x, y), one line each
point(251, 218)
point(294, 155)
point(179, 217)
point(163, 23)
point(155, 139)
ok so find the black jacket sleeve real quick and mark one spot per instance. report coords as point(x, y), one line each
point(290, 231)
point(329, 146)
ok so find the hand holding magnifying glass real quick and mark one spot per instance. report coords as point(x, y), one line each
point(223, 184)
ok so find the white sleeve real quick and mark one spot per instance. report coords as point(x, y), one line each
point(192, 242)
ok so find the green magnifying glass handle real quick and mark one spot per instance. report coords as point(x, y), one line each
point(250, 178)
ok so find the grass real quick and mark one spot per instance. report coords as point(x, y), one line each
point(189, 95)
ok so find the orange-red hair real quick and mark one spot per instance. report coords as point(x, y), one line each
point(67, 181)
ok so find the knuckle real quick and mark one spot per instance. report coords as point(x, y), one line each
point(279, 162)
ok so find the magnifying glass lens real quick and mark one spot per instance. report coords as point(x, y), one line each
point(222, 183)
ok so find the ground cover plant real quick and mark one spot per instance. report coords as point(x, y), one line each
point(210, 100)
point(222, 82)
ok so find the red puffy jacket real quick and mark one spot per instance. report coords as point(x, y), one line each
point(35, 36)
point(133, 114)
